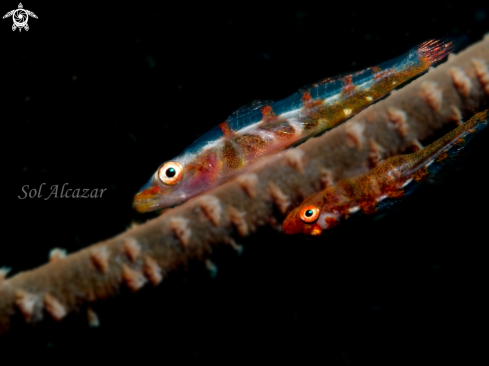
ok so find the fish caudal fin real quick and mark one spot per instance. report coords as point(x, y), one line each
point(437, 49)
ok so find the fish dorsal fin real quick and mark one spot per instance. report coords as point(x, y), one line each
point(249, 108)
point(338, 78)
point(247, 115)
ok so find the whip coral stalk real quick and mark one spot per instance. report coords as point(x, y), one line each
point(147, 253)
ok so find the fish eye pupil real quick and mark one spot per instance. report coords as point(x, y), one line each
point(170, 172)
point(308, 213)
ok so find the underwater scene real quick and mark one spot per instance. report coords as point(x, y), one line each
point(243, 183)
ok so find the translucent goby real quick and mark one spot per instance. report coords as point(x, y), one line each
point(232, 147)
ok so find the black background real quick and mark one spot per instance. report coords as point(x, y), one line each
point(97, 96)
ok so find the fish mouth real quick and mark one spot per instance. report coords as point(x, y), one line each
point(143, 203)
point(316, 230)
point(152, 198)
point(149, 198)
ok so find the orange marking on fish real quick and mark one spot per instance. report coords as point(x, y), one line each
point(316, 230)
point(395, 193)
point(343, 209)
point(231, 156)
point(442, 156)
point(367, 205)
point(308, 102)
point(268, 113)
point(376, 72)
point(306, 98)
point(348, 85)
point(331, 222)
point(226, 130)
point(421, 175)
point(149, 192)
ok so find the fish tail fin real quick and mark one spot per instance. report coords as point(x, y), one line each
point(437, 49)
point(458, 138)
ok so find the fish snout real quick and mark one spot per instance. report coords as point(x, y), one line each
point(148, 198)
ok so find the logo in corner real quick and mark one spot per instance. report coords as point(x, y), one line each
point(20, 17)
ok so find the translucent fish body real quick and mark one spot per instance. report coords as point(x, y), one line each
point(324, 210)
point(232, 147)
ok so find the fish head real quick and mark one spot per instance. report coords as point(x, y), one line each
point(176, 181)
point(310, 218)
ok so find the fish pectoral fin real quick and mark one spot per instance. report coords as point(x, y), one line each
point(421, 175)
point(396, 193)
point(368, 206)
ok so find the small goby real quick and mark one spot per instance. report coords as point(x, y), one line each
point(325, 209)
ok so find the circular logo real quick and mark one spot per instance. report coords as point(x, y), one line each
point(20, 17)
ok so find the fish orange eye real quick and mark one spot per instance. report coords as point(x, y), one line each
point(170, 173)
point(309, 214)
